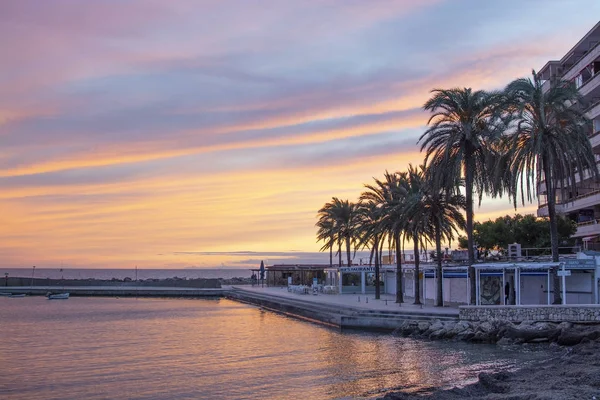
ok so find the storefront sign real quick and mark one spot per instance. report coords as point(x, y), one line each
point(357, 269)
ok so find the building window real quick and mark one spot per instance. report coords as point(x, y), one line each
point(579, 81)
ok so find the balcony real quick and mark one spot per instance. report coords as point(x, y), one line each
point(594, 110)
point(587, 59)
point(589, 85)
point(595, 141)
point(589, 228)
point(587, 200)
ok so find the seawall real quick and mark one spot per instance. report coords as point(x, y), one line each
point(336, 315)
point(548, 313)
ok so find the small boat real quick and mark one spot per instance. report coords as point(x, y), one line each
point(57, 296)
point(16, 295)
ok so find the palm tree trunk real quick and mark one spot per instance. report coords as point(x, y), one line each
point(399, 294)
point(417, 271)
point(340, 253)
point(377, 287)
point(440, 272)
point(331, 256)
point(551, 194)
point(469, 211)
point(348, 250)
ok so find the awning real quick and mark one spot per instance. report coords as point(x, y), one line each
point(588, 238)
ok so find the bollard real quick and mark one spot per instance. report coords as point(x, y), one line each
point(359, 299)
point(367, 300)
point(386, 302)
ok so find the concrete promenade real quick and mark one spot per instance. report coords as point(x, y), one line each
point(354, 301)
point(342, 311)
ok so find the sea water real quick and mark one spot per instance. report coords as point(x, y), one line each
point(125, 348)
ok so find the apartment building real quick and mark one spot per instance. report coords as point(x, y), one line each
point(580, 65)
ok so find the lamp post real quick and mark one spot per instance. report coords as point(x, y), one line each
point(6, 279)
point(32, 275)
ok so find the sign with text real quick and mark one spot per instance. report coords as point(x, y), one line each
point(563, 273)
point(580, 264)
point(357, 269)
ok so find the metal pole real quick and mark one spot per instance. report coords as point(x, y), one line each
point(564, 286)
point(32, 274)
point(548, 286)
point(504, 287)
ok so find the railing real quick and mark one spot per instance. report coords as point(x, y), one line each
point(592, 222)
point(580, 61)
point(571, 200)
point(586, 84)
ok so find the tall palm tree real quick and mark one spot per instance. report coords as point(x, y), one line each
point(390, 195)
point(372, 233)
point(344, 215)
point(326, 233)
point(550, 137)
point(418, 224)
point(443, 206)
point(462, 128)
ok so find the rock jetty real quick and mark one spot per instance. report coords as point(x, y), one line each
point(501, 332)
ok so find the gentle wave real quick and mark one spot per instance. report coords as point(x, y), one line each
point(97, 348)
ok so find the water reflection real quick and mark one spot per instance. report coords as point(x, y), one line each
point(159, 348)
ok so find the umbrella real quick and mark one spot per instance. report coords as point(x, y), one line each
point(262, 271)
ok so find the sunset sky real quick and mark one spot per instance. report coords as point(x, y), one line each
point(169, 134)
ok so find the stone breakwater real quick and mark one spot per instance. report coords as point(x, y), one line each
point(501, 331)
point(557, 313)
point(199, 283)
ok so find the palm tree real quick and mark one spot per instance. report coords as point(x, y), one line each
point(390, 195)
point(372, 233)
point(550, 137)
point(418, 223)
point(344, 217)
point(462, 128)
point(443, 207)
point(326, 233)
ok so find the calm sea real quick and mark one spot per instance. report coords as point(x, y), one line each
point(115, 348)
point(82, 273)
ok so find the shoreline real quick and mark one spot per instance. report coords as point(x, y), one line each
point(574, 373)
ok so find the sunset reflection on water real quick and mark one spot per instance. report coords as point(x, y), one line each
point(175, 348)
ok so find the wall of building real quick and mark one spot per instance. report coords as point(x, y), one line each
point(531, 313)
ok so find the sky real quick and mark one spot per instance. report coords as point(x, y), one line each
point(209, 133)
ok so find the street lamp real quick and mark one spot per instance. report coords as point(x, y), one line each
point(6, 279)
point(32, 274)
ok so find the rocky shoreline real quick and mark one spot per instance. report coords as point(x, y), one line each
point(502, 332)
point(572, 372)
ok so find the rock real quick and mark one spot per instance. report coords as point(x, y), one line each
point(569, 338)
point(439, 334)
point(505, 341)
point(483, 337)
point(465, 335)
point(494, 382)
point(565, 325)
point(541, 326)
point(486, 327)
point(423, 326)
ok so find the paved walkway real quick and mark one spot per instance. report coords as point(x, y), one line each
point(367, 302)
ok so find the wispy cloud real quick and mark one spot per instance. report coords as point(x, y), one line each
point(169, 133)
